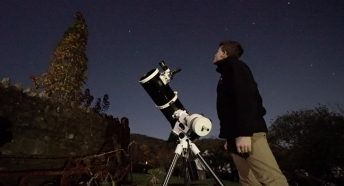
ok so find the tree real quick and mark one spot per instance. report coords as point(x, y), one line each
point(86, 98)
point(310, 139)
point(105, 103)
point(97, 106)
point(66, 74)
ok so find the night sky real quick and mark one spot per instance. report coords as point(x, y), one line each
point(294, 49)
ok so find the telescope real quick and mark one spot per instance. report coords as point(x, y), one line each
point(184, 125)
point(156, 84)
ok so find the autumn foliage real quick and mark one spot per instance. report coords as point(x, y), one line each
point(66, 74)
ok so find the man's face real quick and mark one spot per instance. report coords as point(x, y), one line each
point(219, 55)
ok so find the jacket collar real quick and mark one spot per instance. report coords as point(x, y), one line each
point(223, 64)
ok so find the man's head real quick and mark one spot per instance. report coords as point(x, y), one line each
point(228, 49)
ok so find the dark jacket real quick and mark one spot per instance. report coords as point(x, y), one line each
point(239, 104)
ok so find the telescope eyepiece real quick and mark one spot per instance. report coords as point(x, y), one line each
point(163, 65)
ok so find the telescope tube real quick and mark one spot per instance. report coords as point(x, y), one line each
point(161, 93)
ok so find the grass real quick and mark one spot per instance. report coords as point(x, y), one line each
point(141, 179)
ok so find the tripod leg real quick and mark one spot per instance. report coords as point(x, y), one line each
point(196, 151)
point(170, 170)
point(209, 169)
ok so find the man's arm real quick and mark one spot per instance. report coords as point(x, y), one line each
point(244, 89)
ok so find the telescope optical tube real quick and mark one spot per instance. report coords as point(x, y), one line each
point(161, 93)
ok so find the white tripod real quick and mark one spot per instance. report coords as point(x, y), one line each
point(186, 123)
point(182, 148)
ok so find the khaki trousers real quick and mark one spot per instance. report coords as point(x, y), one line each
point(260, 168)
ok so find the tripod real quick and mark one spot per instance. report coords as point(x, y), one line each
point(184, 147)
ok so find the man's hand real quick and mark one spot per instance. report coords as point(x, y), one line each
point(243, 144)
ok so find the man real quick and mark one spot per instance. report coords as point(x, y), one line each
point(240, 111)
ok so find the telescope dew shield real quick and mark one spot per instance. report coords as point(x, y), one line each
point(162, 95)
